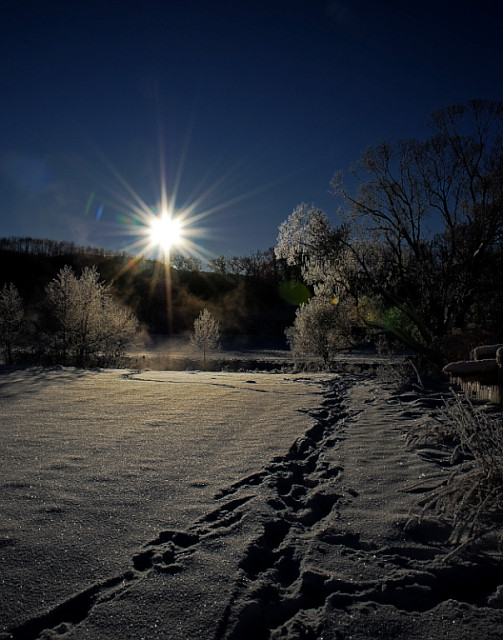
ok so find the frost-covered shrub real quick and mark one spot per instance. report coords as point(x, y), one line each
point(322, 327)
point(81, 323)
point(471, 498)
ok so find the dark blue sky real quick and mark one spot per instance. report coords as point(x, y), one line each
point(252, 105)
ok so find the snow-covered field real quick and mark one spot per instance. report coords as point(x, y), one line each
point(218, 506)
point(96, 464)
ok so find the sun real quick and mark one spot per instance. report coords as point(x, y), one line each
point(165, 231)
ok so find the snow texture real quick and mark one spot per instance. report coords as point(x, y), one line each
point(226, 507)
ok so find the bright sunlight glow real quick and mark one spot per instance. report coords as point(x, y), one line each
point(165, 231)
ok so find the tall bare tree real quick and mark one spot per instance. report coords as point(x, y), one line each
point(436, 210)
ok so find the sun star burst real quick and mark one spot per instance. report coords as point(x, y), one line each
point(166, 231)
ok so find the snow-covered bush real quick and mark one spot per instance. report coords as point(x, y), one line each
point(322, 327)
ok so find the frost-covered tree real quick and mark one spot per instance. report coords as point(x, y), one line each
point(206, 336)
point(82, 324)
point(11, 320)
point(307, 240)
point(91, 298)
point(304, 236)
point(322, 327)
point(59, 315)
point(119, 325)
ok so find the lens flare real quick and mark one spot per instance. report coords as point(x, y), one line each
point(295, 293)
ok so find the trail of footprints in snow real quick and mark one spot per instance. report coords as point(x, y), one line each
point(278, 597)
point(276, 588)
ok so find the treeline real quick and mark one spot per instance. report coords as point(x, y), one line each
point(47, 247)
point(243, 293)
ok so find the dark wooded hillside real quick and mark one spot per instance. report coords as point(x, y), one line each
point(245, 299)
